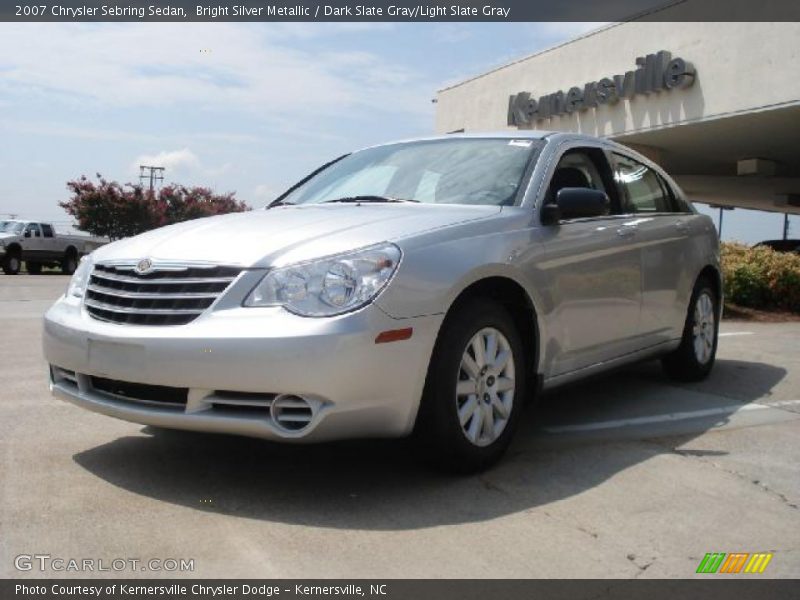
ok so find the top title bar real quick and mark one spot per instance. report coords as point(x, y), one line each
point(399, 11)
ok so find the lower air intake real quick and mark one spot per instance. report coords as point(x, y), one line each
point(291, 412)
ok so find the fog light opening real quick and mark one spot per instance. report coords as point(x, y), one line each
point(291, 412)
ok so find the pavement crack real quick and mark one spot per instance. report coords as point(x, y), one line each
point(491, 486)
point(642, 567)
point(577, 526)
point(702, 457)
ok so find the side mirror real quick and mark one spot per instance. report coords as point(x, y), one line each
point(581, 203)
point(27, 233)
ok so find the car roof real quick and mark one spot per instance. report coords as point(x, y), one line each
point(507, 134)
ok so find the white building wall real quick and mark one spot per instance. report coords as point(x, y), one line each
point(740, 67)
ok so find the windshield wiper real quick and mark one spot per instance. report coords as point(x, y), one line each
point(279, 203)
point(367, 198)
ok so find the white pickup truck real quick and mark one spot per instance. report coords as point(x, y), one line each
point(39, 246)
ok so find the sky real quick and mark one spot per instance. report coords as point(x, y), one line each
point(249, 108)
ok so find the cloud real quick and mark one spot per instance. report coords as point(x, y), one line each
point(49, 128)
point(454, 33)
point(264, 193)
point(262, 71)
point(180, 161)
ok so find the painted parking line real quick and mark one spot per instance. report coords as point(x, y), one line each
point(667, 418)
point(732, 333)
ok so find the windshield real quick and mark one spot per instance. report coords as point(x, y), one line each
point(449, 171)
point(11, 226)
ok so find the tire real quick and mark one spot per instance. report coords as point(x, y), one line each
point(694, 358)
point(69, 264)
point(33, 268)
point(11, 264)
point(471, 444)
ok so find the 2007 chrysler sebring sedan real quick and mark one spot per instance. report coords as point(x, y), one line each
point(424, 287)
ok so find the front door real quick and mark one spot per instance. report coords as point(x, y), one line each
point(593, 273)
point(33, 246)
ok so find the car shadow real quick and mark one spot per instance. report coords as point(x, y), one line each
point(379, 485)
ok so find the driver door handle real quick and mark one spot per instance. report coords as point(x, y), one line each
point(682, 226)
point(626, 231)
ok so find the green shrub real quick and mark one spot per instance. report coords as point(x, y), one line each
point(761, 278)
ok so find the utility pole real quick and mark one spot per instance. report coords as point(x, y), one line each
point(785, 226)
point(152, 173)
point(721, 208)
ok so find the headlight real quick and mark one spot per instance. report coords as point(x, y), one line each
point(328, 286)
point(80, 279)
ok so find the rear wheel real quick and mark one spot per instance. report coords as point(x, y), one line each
point(694, 358)
point(474, 390)
point(11, 264)
point(33, 268)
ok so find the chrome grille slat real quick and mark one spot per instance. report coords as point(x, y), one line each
point(142, 311)
point(170, 295)
point(150, 296)
point(177, 280)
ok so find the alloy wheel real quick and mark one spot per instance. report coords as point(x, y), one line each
point(485, 386)
point(703, 329)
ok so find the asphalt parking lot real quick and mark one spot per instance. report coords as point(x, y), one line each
point(626, 475)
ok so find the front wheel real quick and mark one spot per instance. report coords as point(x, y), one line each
point(11, 264)
point(694, 358)
point(474, 390)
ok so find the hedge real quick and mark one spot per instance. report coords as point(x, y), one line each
point(760, 277)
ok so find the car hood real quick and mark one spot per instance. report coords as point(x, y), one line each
point(287, 234)
point(8, 236)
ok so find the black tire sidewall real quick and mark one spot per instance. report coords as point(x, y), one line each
point(704, 287)
point(683, 363)
point(8, 264)
point(438, 423)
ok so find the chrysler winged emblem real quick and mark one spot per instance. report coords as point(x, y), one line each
point(143, 266)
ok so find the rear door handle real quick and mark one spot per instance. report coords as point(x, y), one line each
point(682, 226)
point(626, 231)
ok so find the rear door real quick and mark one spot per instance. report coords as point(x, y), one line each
point(664, 224)
point(592, 272)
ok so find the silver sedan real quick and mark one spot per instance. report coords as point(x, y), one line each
point(427, 287)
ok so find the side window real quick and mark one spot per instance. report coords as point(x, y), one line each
point(643, 189)
point(679, 203)
point(575, 169)
point(33, 228)
point(47, 229)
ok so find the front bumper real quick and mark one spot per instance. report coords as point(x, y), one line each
point(238, 359)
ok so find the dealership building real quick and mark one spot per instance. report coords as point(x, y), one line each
point(716, 104)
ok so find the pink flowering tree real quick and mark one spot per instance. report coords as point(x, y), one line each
point(108, 209)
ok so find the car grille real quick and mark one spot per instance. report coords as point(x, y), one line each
point(164, 296)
